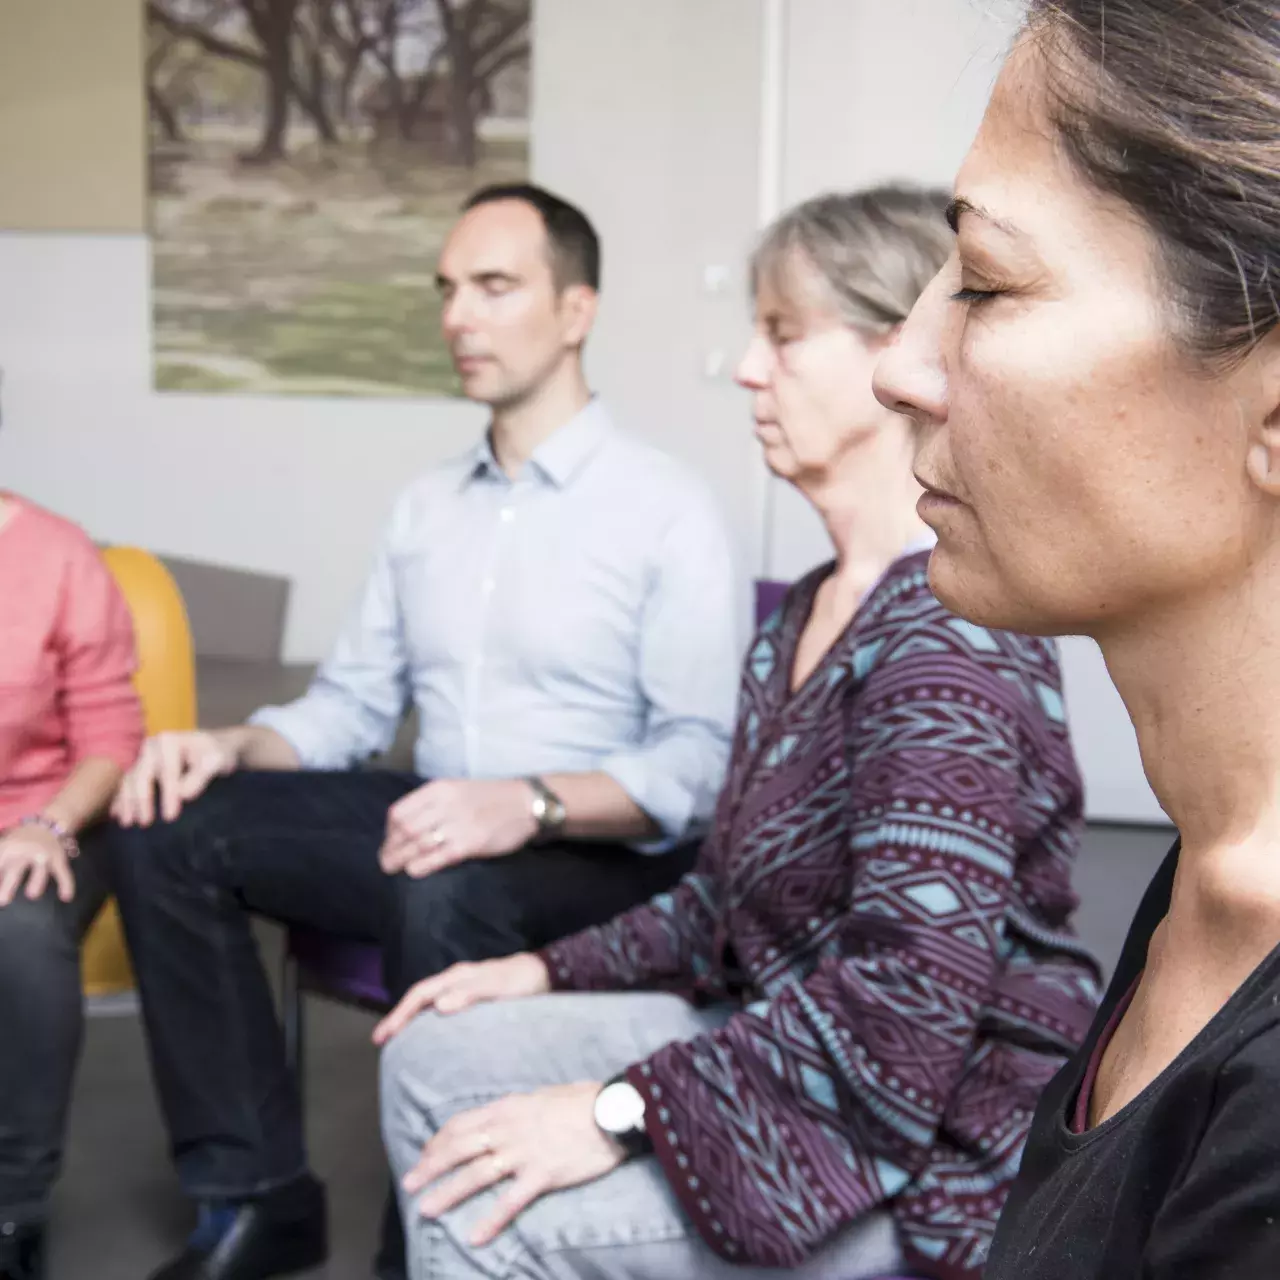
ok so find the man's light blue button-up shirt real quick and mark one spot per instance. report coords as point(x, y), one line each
point(580, 617)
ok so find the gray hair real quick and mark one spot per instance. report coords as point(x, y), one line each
point(876, 250)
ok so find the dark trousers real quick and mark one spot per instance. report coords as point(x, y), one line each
point(302, 848)
point(41, 1024)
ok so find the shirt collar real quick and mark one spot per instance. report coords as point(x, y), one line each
point(561, 456)
point(565, 452)
point(481, 462)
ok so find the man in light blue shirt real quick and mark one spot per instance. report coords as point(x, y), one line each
point(559, 608)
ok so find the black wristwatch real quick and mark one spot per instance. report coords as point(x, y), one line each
point(619, 1115)
point(548, 809)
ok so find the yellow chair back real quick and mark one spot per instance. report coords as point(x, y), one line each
point(166, 684)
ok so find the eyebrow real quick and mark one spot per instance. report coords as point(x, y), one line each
point(957, 208)
point(478, 277)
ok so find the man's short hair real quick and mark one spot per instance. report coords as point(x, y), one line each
point(572, 240)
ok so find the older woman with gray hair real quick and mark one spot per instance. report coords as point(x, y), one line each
point(822, 1050)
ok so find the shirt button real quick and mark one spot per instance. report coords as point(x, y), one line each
point(508, 515)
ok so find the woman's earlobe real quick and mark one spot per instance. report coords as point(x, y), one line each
point(1263, 460)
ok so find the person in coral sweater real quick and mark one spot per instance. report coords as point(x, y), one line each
point(70, 725)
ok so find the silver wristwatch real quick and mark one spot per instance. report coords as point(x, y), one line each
point(548, 809)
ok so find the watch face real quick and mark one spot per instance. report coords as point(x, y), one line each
point(548, 809)
point(620, 1108)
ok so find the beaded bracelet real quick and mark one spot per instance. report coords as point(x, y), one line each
point(66, 838)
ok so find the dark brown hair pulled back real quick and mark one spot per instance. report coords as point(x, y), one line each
point(1174, 107)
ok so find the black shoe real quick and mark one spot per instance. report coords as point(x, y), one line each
point(275, 1236)
point(21, 1252)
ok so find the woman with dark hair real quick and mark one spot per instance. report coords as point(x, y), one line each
point(1096, 380)
point(70, 724)
point(821, 1051)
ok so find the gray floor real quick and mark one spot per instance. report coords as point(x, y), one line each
point(118, 1212)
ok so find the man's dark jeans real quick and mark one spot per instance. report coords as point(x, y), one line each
point(302, 848)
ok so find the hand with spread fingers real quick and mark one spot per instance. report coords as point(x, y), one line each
point(34, 857)
point(447, 822)
point(533, 1143)
point(462, 985)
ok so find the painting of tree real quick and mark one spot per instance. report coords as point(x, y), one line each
point(306, 158)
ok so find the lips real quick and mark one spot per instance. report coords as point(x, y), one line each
point(935, 491)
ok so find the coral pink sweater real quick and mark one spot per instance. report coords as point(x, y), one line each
point(66, 658)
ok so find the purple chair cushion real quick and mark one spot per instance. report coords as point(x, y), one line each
point(769, 596)
point(353, 970)
point(339, 968)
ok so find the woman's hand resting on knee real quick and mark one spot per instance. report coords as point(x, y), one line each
point(463, 985)
point(33, 856)
point(534, 1143)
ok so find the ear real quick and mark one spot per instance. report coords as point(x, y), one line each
point(578, 306)
point(1263, 459)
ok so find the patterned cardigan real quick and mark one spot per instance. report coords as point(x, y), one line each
point(886, 896)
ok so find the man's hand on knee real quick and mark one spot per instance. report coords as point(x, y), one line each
point(176, 767)
point(447, 822)
point(462, 985)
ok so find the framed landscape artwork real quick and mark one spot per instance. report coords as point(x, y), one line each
point(305, 159)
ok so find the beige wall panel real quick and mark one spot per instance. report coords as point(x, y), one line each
point(71, 116)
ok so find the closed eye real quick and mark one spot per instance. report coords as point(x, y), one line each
point(975, 295)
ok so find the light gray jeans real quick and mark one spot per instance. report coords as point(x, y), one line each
point(628, 1224)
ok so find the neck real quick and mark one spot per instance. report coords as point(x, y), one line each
point(868, 504)
point(518, 428)
point(1201, 682)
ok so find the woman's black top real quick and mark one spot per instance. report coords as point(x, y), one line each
point(1181, 1184)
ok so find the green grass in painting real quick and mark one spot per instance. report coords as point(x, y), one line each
point(312, 276)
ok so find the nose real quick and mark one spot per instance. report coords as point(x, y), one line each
point(911, 374)
point(456, 314)
point(752, 372)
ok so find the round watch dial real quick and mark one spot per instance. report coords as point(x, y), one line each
point(620, 1108)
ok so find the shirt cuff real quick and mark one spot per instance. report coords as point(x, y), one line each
point(309, 744)
point(668, 802)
